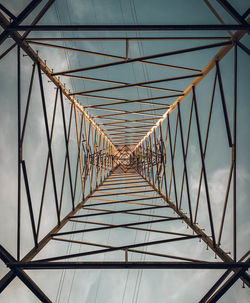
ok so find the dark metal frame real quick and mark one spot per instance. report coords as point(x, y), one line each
point(102, 161)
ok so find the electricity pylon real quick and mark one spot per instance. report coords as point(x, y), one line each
point(109, 170)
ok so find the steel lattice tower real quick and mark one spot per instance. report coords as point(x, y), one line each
point(142, 166)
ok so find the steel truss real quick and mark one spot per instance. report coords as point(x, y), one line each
point(112, 152)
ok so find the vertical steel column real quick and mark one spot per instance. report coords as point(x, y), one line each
point(87, 150)
point(26, 182)
point(186, 151)
point(185, 164)
point(164, 161)
point(223, 101)
point(155, 151)
point(47, 165)
point(66, 138)
point(99, 157)
point(102, 157)
point(28, 103)
point(105, 159)
point(79, 154)
point(205, 143)
point(151, 160)
point(172, 160)
point(204, 169)
point(90, 151)
point(19, 153)
point(172, 149)
point(95, 154)
point(234, 158)
point(48, 141)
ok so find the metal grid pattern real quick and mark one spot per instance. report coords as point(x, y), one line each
point(126, 144)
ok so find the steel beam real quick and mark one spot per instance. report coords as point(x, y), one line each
point(172, 27)
point(219, 55)
point(218, 251)
point(122, 38)
point(129, 265)
point(7, 258)
point(33, 55)
point(155, 56)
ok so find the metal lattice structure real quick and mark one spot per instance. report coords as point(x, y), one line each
point(140, 159)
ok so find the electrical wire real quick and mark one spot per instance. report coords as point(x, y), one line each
point(149, 93)
point(79, 250)
point(69, 246)
point(72, 44)
point(141, 50)
point(80, 247)
point(142, 258)
point(132, 64)
point(147, 237)
point(65, 52)
point(104, 257)
point(63, 274)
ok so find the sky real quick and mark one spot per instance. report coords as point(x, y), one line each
point(123, 285)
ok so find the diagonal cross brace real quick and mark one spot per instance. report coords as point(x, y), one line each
point(7, 258)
